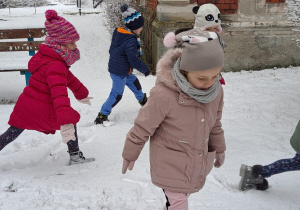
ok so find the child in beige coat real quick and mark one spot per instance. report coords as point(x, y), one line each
point(182, 118)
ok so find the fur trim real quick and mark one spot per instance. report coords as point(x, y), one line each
point(164, 67)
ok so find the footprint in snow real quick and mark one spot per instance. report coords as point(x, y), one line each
point(142, 184)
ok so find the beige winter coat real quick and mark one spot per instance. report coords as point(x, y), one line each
point(184, 134)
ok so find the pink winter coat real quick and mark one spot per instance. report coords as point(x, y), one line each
point(184, 134)
point(44, 104)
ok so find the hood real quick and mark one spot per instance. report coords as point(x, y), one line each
point(44, 56)
point(120, 35)
point(164, 68)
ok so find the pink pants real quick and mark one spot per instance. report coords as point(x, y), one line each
point(176, 201)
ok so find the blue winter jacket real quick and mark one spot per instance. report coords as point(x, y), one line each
point(124, 53)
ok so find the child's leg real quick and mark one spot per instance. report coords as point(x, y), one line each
point(115, 95)
point(76, 156)
point(176, 201)
point(280, 166)
point(134, 85)
point(73, 144)
point(10, 135)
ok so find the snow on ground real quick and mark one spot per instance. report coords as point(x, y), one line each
point(260, 114)
point(293, 13)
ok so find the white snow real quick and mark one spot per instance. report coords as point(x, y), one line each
point(260, 114)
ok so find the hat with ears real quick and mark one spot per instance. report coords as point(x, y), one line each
point(201, 50)
point(207, 15)
point(59, 29)
point(132, 18)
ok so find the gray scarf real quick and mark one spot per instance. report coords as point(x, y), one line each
point(202, 96)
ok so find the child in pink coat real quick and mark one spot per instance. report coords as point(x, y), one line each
point(44, 104)
point(182, 118)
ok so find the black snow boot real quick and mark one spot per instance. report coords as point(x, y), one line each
point(77, 158)
point(100, 118)
point(263, 186)
point(144, 100)
point(257, 172)
point(251, 177)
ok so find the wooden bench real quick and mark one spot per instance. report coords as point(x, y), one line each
point(10, 42)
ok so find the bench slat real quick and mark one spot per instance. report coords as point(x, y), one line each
point(9, 70)
point(19, 46)
point(22, 33)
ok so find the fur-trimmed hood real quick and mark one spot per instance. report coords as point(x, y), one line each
point(164, 69)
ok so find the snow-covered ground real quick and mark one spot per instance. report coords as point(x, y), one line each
point(293, 13)
point(260, 114)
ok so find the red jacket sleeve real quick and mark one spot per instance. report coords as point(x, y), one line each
point(78, 89)
point(57, 78)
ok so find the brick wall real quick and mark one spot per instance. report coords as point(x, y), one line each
point(275, 1)
point(225, 6)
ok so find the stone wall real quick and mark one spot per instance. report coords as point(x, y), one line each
point(258, 36)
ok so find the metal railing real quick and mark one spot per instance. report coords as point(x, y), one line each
point(96, 3)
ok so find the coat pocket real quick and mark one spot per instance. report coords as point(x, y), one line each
point(168, 163)
point(209, 162)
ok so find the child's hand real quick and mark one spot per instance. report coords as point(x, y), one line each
point(86, 100)
point(220, 158)
point(67, 132)
point(127, 164)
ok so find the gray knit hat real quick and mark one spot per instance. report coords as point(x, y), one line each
point(132, 18)
point(201, 50)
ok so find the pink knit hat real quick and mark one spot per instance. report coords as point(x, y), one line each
point(59, 29)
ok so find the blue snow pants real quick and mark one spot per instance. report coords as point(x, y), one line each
point(281, 166)
point(116, 93)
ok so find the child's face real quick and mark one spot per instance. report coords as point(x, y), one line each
point(70, 46)
point(138, 31)
point(203, 80)
point(212, 29)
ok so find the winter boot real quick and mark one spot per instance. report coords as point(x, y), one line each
point(263, 186)
point(100, 118)
point(77, 157)
point(144, 100)
point(251, 177)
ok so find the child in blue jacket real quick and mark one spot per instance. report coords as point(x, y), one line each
point(125, 52)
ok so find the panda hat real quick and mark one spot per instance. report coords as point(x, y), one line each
point(207, 15)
